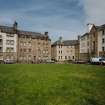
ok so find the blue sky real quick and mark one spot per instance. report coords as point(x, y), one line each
point(66, 18)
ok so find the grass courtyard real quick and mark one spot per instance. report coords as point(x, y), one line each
point(52, 84)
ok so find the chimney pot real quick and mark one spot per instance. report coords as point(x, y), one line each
point(46, 33)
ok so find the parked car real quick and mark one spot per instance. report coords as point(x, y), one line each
point(50, 61)
point(103, 62)
point(97, 60)
point(8, 61)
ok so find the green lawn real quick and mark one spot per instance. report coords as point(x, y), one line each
point(52, 84)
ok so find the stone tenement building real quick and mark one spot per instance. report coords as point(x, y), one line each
point(33, 47)
point(92, 44)
point(8, 43)
point(101, 41)
point(84, 47)
point(24, 46)
point(65, 50)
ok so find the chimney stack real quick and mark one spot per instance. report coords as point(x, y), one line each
point(60, 39)
point(46, 33)
point(79, 37)
point(15, 25)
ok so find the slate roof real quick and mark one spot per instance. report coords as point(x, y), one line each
point(33, 34)
point(11, 30)
point(7, 29)
point(70, 42)
point(101, 27)
point(66, 43)
point(84, 35)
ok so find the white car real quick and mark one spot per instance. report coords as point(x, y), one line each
point(103, 62)
point(8, 61)
point(50, 61)
point(96, 60)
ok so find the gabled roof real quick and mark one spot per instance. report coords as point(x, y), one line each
point(100, 27)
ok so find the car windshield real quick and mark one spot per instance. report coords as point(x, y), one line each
point(100, 59)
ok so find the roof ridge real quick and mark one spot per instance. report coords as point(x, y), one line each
point(28, 31)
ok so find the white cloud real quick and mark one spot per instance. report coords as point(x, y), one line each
point(95, 11)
